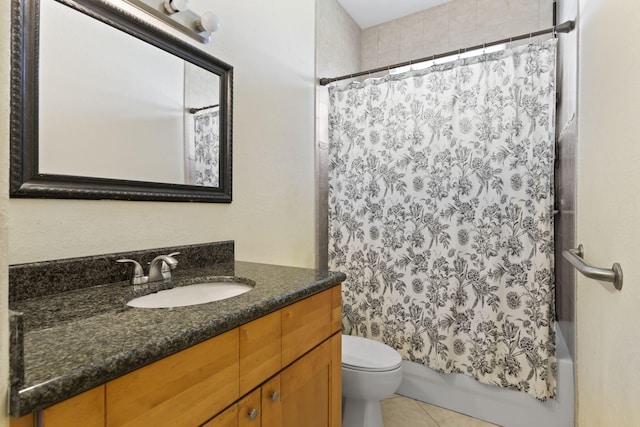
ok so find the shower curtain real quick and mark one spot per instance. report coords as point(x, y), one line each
point(207, 147)
point(441, 214)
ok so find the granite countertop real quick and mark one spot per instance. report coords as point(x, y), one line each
point(76, 340)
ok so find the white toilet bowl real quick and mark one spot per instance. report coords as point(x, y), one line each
point(371, 372)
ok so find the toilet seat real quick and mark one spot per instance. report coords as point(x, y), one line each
point(363, 354)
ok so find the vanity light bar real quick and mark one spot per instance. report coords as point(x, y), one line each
point(176, 14)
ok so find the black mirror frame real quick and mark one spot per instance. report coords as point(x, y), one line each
point(25, 179)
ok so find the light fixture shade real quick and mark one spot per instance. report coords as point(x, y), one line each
point(175, 6)
point(208, 22)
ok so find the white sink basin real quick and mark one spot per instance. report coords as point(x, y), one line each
point(199, 293)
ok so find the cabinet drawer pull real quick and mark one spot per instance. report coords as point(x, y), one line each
point(275, 396)
point(253, 414)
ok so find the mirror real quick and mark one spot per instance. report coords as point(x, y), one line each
point(106, 106)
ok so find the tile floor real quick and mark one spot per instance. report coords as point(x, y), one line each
point(400, 411)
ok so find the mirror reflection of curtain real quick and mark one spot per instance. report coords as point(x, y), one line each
point(207, 147)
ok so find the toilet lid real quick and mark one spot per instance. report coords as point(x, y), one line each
point(364, 354)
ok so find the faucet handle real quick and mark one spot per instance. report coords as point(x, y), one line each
point(138, 276)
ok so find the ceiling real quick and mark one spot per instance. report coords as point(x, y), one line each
point(368, 13)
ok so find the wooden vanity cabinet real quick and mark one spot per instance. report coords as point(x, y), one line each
point(281, 370)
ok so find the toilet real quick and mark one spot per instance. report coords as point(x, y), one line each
point(371, 372)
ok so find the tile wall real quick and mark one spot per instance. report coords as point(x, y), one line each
point(337, 53)
point(565, 179)
point(454, 25)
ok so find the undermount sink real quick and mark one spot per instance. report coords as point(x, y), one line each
point(198, 293)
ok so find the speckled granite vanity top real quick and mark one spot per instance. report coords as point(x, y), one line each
point(78, 339)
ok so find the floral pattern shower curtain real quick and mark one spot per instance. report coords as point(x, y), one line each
point(441, 214)
point(207, 147)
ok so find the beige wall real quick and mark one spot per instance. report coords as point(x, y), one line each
point(608, 321)
point(271, 46)
point(454, 25)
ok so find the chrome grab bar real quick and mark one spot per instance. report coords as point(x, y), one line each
point(613, 275)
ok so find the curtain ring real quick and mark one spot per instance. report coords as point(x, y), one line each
point(484, 48)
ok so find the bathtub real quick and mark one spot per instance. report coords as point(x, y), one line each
point(504, 407)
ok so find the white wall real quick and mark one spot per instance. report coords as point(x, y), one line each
point(271, 46)
point(608, 341)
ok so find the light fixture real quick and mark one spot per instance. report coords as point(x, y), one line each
point(177, 14)
point(175, 6)
point(208, 23)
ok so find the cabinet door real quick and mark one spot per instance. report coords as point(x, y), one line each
point(229, 418)
point(85, 409)
point(184, 389)
point(309, 388)
point(249, 410)
point(260, 350)
point(272, 403)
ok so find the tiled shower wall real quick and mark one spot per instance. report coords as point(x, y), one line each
point(451, 26)
point(565, 179)
point(337, 53)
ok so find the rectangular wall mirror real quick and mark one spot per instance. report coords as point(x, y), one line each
point(106, 106)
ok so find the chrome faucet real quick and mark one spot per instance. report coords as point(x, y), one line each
point(161, 266)
point(159, 269)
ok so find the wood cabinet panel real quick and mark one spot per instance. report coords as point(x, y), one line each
point(229, 418)
point(249, 410)
point(272, 403)
point(336, 308)
point(260, 350)
point(305, 389)
point(26, 421)
point(304, 325)
point(336, 380)
point(184, 389)
point(86, 409)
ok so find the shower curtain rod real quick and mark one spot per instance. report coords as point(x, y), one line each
point(565, 27)
point(195, 110)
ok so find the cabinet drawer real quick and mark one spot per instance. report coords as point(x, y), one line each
point(305, 324)
point(260, 350)
point(184, 389)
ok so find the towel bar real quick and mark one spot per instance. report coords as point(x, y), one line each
point(613, 275)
